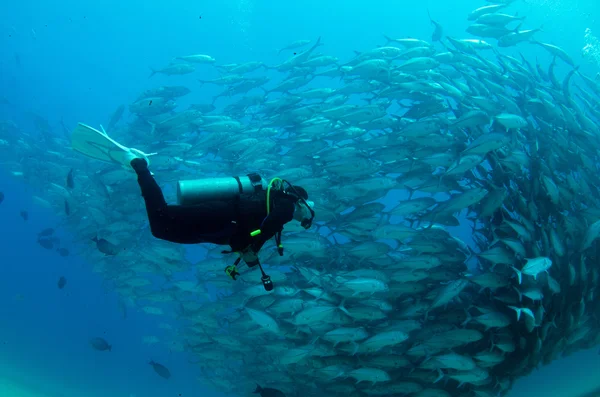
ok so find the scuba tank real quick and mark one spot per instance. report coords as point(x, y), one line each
point(193, 192)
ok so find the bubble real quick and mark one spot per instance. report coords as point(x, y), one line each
point(591, 50)
point(244, 16)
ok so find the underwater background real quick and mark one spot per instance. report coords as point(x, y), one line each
point(77, 61)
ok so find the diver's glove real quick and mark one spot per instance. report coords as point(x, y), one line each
point(232, 272)
point(249, 256)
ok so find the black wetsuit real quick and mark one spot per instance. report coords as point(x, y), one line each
point(218, 222)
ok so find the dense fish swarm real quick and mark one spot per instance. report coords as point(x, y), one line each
point(373, 301)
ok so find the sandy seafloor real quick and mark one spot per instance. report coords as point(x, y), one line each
point(573, 376)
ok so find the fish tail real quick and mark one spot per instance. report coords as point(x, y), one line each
point(153, 126)
point(342, 308)
point(493, 345)
point(152, 72)
point(516, 309)
point(519, 274)
point(356, 347)
point(471, 253)
point(469, 318)
point(440, 376)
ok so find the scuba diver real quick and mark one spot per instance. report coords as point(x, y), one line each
point(242, 212)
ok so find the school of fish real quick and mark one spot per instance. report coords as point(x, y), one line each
point(377, 299)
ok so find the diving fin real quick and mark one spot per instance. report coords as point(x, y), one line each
point(98, 145)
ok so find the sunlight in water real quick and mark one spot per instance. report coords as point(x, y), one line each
point(12, 389)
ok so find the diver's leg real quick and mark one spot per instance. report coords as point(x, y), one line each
point(156, 205)
point(161, 224)
point(178, 224)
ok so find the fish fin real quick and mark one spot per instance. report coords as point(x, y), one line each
point(153, 72)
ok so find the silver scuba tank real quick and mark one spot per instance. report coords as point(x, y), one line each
point(196, 191)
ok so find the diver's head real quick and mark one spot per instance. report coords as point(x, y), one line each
point(298, 191)
point(304, 209)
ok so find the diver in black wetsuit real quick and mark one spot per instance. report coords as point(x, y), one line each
point(244, 222)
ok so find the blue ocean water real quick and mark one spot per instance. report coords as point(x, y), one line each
point(77, 61)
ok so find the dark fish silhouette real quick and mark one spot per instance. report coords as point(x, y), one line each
point(1, 197)
point(67, 208)
point(123, 308)
point(204, 108)
point(46, 232)
point(46, 243)
point(100, 344)
point(24, 215)
point(66, 131)
point(70, 181)
point(62, 282)
point(116, 117)
point(268, 392)
point(63, 252)
point(106, 247)
point(593, 393)
point(438, 32)
point(160, 369)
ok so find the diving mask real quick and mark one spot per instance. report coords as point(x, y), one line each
point(304, 213)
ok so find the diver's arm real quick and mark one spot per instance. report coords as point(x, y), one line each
point(279, 216)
